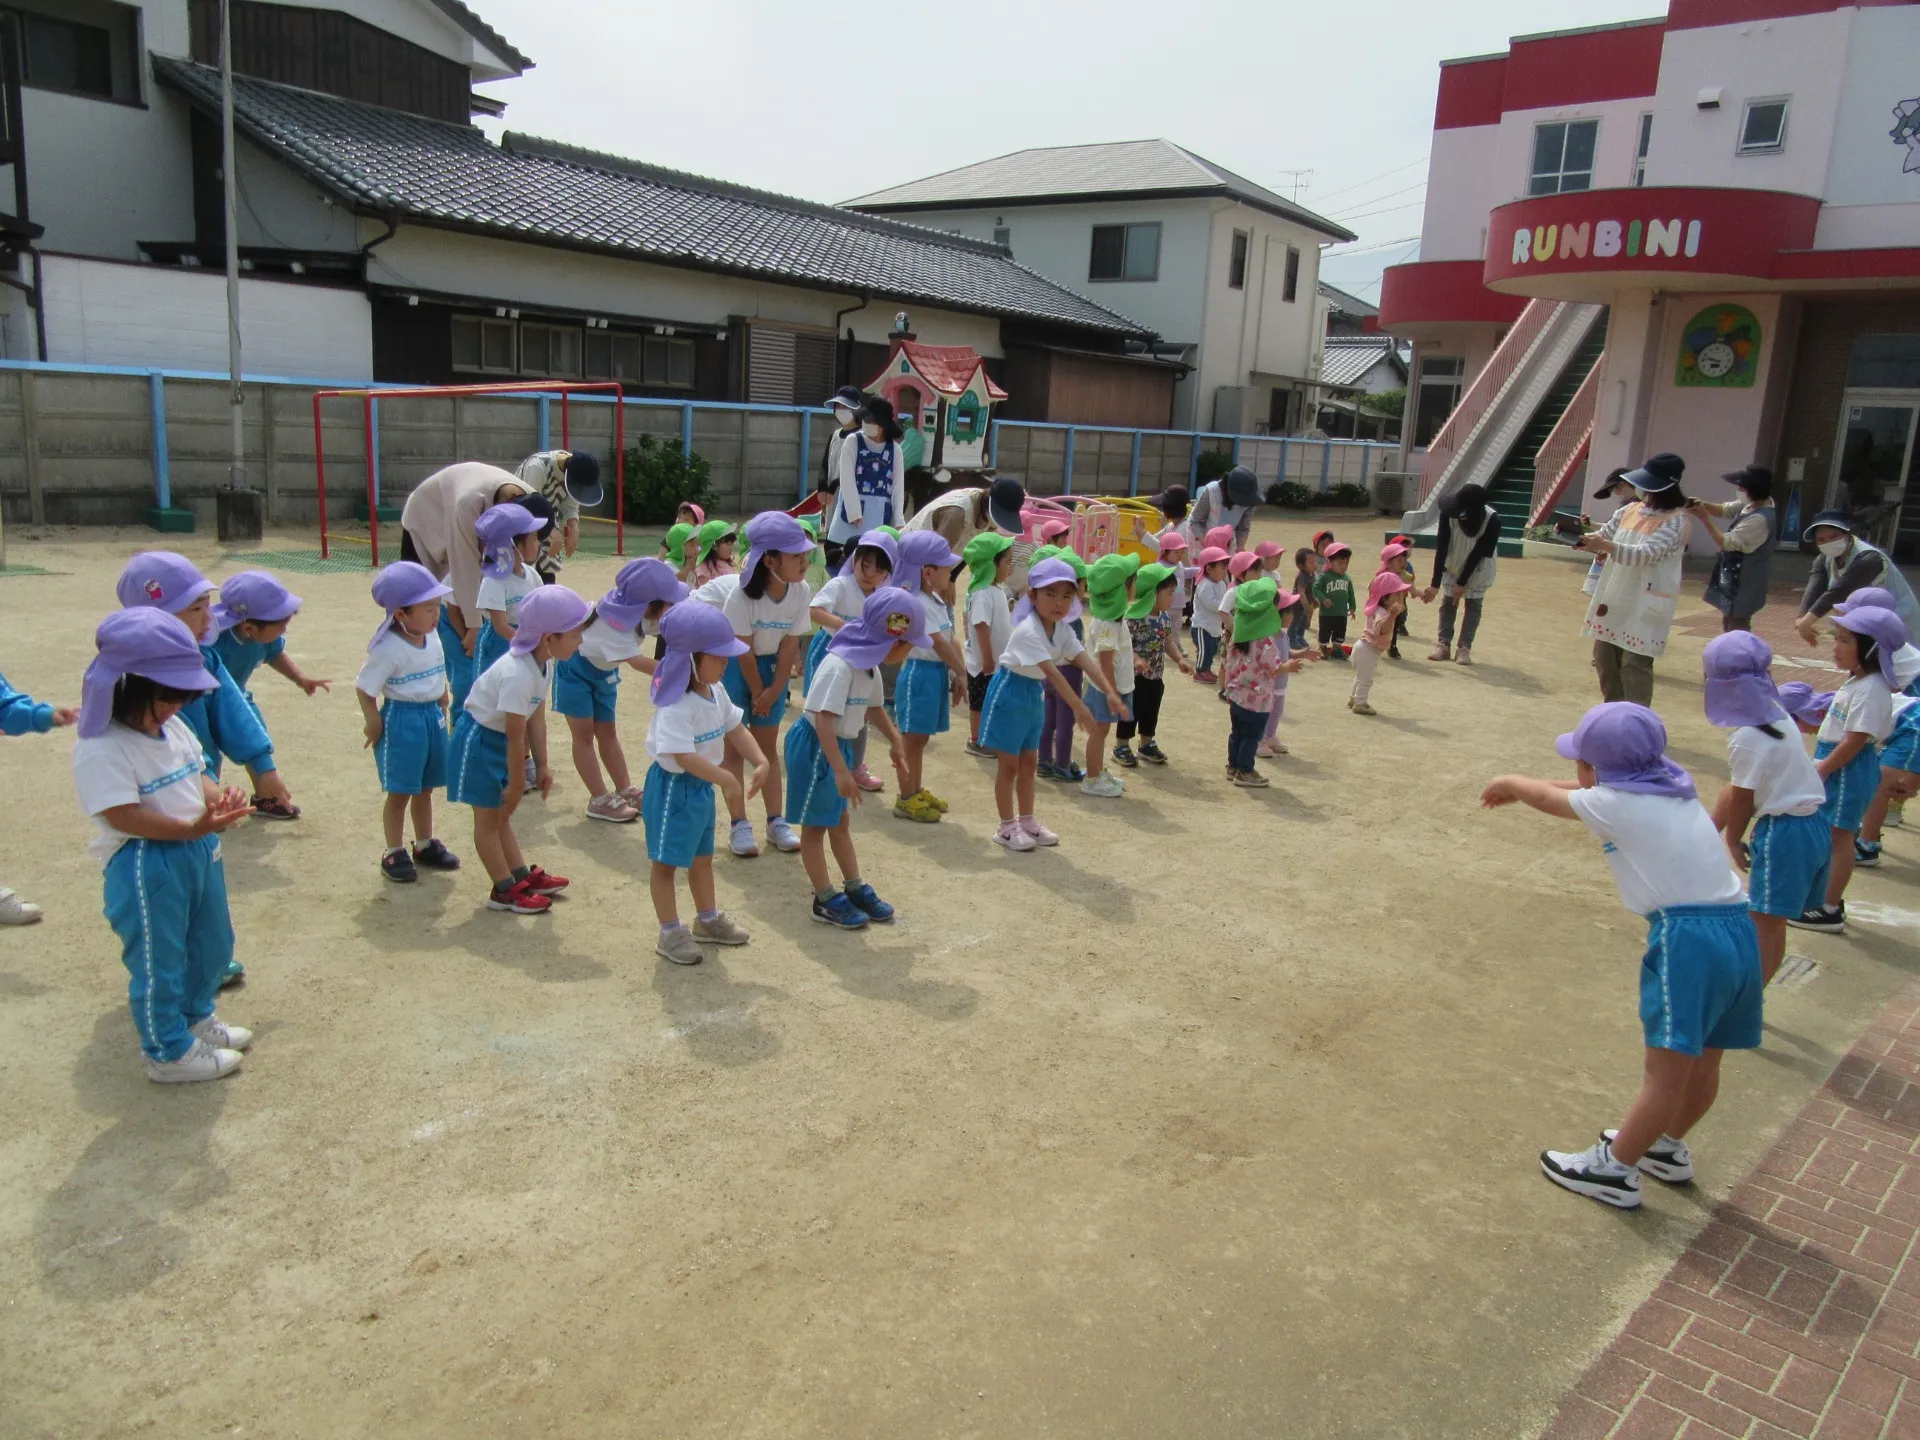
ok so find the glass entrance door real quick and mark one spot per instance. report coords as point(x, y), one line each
point(1876, 471)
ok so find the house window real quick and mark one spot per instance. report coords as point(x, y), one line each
point(1125, 252)
point(1003, 235)
point(483, 345)
point(1640, 150)
point(550, 350)
point(1563, 156)
point(669, 361)
point(1441, 377)
point(1237, 265)
point(75, 50)
point(1763, 129)
point(1290, 287)
point(612, 357)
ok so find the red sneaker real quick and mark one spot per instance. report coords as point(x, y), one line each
point(520, 899)
point(541, 883)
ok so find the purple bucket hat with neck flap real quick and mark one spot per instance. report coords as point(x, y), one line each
point(1626, 745)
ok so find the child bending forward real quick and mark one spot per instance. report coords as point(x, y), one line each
point(1700, 977)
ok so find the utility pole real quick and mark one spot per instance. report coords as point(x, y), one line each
point(237, 470)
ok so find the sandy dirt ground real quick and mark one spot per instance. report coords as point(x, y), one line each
point(1220, 1120)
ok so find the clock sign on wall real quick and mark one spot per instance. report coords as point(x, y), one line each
point(1720, 347)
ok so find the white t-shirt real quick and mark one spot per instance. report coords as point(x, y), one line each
point(987, 606)
point(1207, 595)
point(717, 590)
point(841, 596)
point(839, 689)
point(1863, 703)
point(695, 724)
point(1029, 645)
point(1780, 773)
point(505, 592)
point(1112, 635)
point(608, 646)
point(512, 685)
point(1663, 850)
point(939, 622)
point(768, 621)
point(398, 670)
point(123, 766)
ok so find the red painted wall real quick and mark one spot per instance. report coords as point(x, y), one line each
point(1470, 92)
point(1580, 69)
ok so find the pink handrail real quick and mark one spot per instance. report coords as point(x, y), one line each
point(1480, 395)
point(1566, 447)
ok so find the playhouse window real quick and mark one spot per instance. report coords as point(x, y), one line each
point(1563, 156)
point(1763, 130)
point(1125, 252)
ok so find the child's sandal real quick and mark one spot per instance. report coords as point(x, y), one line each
point(271, 807)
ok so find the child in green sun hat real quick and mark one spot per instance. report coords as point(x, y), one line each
point(717, 539)
point(989, 622)
point(681, 550)
point(1109, 584)
point(1154, 625)
point(1252, 669)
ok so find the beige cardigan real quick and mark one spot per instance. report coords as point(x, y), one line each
point(440, 515)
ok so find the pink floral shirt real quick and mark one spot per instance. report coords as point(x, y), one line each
point(1253, 674)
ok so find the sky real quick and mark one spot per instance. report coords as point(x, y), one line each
point(831, 102)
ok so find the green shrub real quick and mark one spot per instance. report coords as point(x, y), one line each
point(660, 479)
point(1290, 495)
point(1350, 495)
point(1213, 464)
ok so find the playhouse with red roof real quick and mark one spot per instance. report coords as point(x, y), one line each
point(944, 398)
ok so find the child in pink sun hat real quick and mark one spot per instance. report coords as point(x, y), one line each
point(1208, 591)
point(1386, 601)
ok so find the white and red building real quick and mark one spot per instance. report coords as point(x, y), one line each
point(1697, 233)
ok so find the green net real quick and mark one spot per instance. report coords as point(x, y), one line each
point(9, 570)
point(346, 560)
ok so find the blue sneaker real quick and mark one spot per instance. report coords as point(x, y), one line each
point(839, 910)
point(1866, 852)
point(1071, 773)
point(871, 904)
point(236, 974)
point(1046, 770)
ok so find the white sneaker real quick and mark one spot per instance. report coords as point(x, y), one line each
point(1106, 785)
point(222, 1036)
point(202, 1062)
point(780, 835)
point(1666, 1159)
point(15, 911)
point(1595, 1174)
point(1014, 836)
point(740, 840)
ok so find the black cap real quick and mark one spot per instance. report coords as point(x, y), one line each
point(1004, 500)
point(540, 508)
point(1829, 520)
point(1242, 486)
point(850, 396)
point(1657, 473)
point(583, 479)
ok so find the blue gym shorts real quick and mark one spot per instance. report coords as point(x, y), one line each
point(1013, 714)
point(477, 768)
point(1788, 860)
point(1902, 750)
point(816, 652)
point(412, 753)
point(736, 687)
point(678, 811)
point(812, 797)
point(1700, 980)
point(921, 699)
point(1849, 789)
point(1103, 713)
point(583, 691)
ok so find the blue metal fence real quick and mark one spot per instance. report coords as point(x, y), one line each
point(1050, 458)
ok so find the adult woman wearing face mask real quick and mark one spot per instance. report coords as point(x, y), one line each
point(873, 478)
point(1464, 565)
point(1844, 564)
point(1642, 547)
point(1738, 587)
point(845, 404)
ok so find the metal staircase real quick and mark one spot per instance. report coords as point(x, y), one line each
point(1510, 492)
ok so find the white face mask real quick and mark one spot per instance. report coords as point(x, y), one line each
point(874, 433)
point(1834, 549)
point(843, 415)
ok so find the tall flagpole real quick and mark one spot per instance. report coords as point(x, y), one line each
point(236, 472)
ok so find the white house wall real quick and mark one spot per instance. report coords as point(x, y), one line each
point(1869, 199)
point(104, 176)
point(1464, 187)
point(281, 209)
point(445, 263)
point(103, 313)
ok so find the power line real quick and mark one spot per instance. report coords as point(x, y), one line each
point(1376, 199)
point(1385, 175)
point(1368, 214)
point(1342, 251)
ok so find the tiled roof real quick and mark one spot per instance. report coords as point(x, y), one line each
point(1349, 357)
point(442, 174)
point(483, 32)
point(1348, 303)
point(1131, 168)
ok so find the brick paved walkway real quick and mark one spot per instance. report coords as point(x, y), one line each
point(1797, 1311)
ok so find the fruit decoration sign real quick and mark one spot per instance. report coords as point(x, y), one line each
point(1720, 347)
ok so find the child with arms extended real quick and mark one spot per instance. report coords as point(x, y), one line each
point(501, 728)
point(251, 616)
point(1110, 643)
point(694, 728)
point(402, 689)
point(1700, 978)
point(869, 565)
point(989, 558)
point(1254, 664)
point(1014, 716)
point(768, 610)
point(1152, 621)
point(1900, 751)
point(1386, 602)
point(1774, 787)
point(586, 686)
point(141, 776)
point(821, 791)
point(21, 714)
point(1291, 607)
point(1847, 752)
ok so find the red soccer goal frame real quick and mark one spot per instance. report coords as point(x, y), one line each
point(563, 388)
